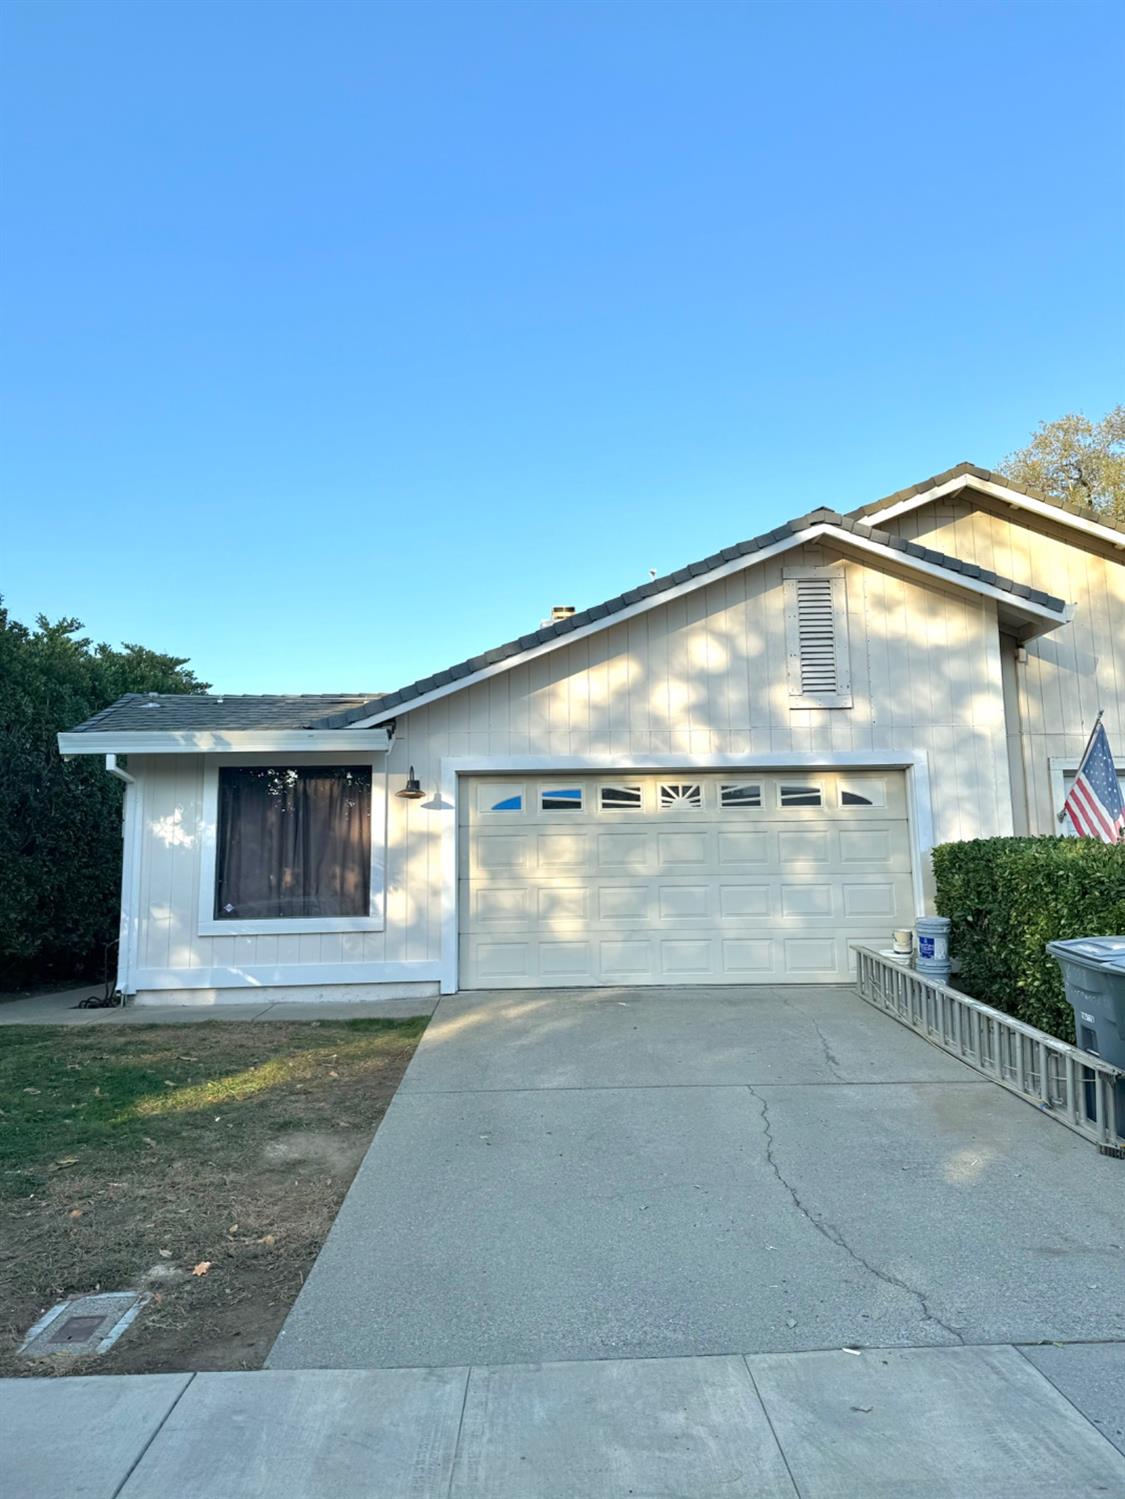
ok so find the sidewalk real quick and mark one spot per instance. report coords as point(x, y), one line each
point(994, 1422)
point(59, 1009)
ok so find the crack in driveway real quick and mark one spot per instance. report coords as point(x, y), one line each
point(830, 1232)
point(831, 1059)
point(829, 1055)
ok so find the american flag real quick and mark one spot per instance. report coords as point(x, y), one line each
point(1094, 802)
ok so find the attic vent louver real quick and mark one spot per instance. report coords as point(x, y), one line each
point(817, 638)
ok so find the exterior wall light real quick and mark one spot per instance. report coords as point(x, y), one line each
point(412, 791)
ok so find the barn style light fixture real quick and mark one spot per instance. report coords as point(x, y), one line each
point(412, 791)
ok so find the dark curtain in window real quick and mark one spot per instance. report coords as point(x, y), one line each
point(293, 841)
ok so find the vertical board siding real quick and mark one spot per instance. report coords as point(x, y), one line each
point(1070, 673)
point(708, 674)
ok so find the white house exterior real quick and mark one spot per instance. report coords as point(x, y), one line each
point(725, 776)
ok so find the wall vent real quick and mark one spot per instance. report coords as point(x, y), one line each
point(816, 626)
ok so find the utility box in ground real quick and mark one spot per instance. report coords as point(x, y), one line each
point(1093, 970)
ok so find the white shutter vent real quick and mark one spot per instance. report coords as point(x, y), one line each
point(816, 625)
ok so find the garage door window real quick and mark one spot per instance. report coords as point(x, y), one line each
point(621, 799)
point(676, 795)
point(798, 794)
point(865, 792)
point(499, 796)
point(740, 794)
point(561, 799)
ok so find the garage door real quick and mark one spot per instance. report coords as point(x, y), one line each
point(672, 879)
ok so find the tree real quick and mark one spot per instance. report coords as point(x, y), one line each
point(1076, 461)
point(60, 821)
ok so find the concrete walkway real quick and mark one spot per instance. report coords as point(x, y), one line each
point(936, 1423)
point(614, 1245)
point(663, 1174)
point(59, 1008)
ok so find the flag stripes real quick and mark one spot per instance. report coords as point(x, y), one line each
point(1094, 802)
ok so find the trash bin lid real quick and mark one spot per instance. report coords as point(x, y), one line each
point(1102, 952)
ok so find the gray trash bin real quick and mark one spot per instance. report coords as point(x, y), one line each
point(1093, 970)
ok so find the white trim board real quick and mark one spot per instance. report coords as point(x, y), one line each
point(1025, 609)
point(1011, 497)
point(278, 975)
point(208, 926)
point(453, 767)
point(132, 847)
point(238, 741)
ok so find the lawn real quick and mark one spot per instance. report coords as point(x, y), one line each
point(203, 1163)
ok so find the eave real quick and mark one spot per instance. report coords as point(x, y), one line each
point(228, 742)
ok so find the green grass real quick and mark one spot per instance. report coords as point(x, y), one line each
point(129, 1148)
point(105, 1090)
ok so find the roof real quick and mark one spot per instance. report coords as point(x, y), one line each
point(989, 476)
point(161, 711)
point(138, 712)
point(597, 612)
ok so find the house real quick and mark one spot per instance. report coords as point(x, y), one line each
point(724, 776)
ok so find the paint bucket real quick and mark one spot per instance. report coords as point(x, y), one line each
point(933, 947)
point(902, 942)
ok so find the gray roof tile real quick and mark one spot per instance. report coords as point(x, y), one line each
point(204, 712)
point(338, 710)
point(990, 476)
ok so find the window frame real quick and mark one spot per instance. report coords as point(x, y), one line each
point(568, 805)
point(806, 784)
point(841, 696)
point(858, 785)
point(630, 809)
point(757, 784)
point(518, 793)
point(209, 925)
point(681, 803)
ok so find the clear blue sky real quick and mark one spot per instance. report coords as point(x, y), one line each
point(343, 340)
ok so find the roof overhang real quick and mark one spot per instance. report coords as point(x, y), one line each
point(1001, 492)
point(1024, 616)
point(225, 742)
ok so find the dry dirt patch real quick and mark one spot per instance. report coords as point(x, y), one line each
point(201, 1163)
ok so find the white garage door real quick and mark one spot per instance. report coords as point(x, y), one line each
point(673, 879)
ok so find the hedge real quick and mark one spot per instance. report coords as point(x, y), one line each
point(1007, 897)
point(60, 821)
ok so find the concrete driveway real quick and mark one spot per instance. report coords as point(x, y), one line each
point(621, 1174)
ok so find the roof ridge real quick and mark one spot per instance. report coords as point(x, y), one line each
point(989, 476)
point(352, 708)
point(557, 629)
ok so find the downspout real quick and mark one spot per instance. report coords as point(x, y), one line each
point(115, 770)
point(130, 833)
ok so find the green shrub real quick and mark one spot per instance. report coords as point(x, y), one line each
point(1007, 897)
point(60, 821)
